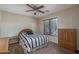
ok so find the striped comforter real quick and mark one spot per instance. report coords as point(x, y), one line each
point(31, 41)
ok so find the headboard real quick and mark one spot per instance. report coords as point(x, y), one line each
point(24, 30)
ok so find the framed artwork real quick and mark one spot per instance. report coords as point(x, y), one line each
point(51, 27)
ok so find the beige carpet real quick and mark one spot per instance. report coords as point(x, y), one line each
point(52, 48)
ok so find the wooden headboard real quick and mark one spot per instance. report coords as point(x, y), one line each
point(24, 30)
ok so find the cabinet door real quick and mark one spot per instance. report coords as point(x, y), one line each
point(70, 36)
point(61, 35)
point(71, 39)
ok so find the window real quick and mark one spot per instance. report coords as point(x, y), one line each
point(50, 26)
point(46, 27)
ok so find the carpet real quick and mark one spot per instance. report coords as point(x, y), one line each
point(52, 48)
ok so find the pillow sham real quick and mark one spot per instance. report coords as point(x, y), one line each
point(29, 32)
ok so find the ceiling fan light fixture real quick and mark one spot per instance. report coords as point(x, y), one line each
point(35, 13)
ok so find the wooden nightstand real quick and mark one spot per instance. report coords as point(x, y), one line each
point(13, 40)
point(4, 45)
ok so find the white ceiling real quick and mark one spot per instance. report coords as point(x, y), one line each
point(21, 8)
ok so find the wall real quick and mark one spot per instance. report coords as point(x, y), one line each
point(68, 18)
point(11, 24)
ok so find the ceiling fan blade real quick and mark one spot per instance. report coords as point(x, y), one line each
point(40, 7)
point(35, 8)
point(40, 11)
point(30, 6)
point(28, 10)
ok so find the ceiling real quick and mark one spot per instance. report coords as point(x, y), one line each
point(21, 8)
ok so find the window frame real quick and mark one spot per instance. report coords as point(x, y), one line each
point(50, 26)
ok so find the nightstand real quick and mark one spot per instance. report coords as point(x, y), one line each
point(4, 45)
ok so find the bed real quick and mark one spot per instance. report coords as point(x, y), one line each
point(31, 42)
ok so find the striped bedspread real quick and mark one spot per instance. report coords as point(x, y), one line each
point(32, 41)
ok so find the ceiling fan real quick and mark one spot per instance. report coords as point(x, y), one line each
point(35, 8)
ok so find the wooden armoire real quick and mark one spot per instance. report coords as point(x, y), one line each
point(67, 39)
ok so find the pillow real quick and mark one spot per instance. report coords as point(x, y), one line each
point(25, 33)
point(29, 32)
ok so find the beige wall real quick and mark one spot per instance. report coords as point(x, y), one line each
point(11, 24)
point(68, 18)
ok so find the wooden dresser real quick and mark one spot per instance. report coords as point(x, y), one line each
point(67, 39)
